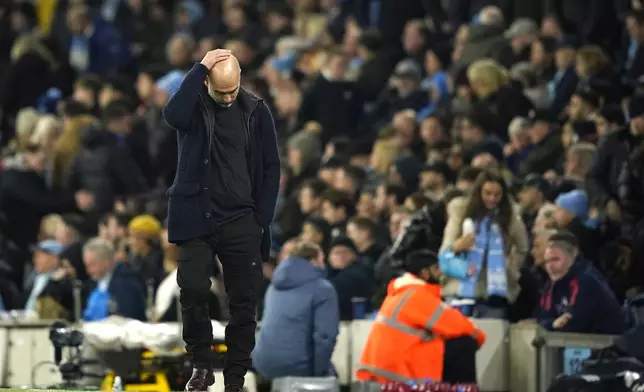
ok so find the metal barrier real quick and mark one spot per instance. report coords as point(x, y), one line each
point(549, 349)
point(365, 386)
point(305, 384)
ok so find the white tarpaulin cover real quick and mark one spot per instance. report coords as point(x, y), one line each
point(116, 333)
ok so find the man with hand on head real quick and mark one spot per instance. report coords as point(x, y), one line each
point(221, 204)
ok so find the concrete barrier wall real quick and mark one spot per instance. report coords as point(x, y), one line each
point(506, 362)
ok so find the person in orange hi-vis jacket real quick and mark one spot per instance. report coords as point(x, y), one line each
point(416, 337)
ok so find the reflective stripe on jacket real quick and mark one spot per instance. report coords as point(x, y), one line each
point(407, 340)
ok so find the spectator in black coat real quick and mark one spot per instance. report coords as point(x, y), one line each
point(631, 62)
point(25, 200)
point(593, 21)
point(499, 99)
point(332, 102)
point(615, 180)
point(351, 276)
point(405, 91)
point(565, 79)
point(105, 166)
point(377, 67)
point(10, 295)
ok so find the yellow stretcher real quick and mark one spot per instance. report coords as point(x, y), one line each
point(149, 371)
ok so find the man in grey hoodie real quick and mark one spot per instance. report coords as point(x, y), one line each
point(301, 318)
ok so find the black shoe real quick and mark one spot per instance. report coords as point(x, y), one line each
point(200, 380)
point(234, 388)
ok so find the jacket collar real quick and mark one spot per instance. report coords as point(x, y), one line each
point(246, 99)
point(410, 280)
point(578, 267)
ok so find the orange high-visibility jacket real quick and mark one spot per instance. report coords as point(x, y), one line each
point(407, 339)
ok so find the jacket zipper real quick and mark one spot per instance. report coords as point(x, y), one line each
point(208, 124)
point(248, 132)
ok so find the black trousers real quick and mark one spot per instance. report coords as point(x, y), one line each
point(459, 360)
point(237, 245)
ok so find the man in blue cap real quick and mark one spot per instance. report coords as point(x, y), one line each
point(45, 262)
point(572, 214)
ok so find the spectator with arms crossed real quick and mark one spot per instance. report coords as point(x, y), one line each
point(576, 297)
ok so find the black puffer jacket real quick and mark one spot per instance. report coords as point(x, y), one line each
point(9, 294)
point(105, 168)
point(424, 231)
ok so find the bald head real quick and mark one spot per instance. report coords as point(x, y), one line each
point(225, 75)
point(223, 81)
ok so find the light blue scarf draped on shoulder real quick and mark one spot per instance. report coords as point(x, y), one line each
point(489, 242)
point(98, 305)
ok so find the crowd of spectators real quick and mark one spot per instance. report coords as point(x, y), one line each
point(474, 129)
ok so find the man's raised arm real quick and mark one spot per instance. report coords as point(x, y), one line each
point(179, 109)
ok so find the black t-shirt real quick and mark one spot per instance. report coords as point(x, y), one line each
point(231, 193)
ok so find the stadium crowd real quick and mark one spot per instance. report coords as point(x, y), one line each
point(475, 130)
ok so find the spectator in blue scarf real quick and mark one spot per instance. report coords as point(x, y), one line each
point(96, 46)
point(116, 289)
point(484, 230)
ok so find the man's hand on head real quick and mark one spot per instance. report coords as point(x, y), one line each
point(214, 56)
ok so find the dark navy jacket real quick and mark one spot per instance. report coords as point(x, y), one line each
point(584, 294)
point(189, 214)
point(108, 50)
point(126, 292)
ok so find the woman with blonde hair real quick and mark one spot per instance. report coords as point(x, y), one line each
point(47, 132)
point(486, 77)
point(594, 68)
point(26, 122)
point(497, 96)
point(590, 61)
point(68, 145)
point(49, 226)
point(383, 154)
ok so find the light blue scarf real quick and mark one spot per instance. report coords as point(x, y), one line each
point(633, 47)
point(489, 241)
point(98, 305)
